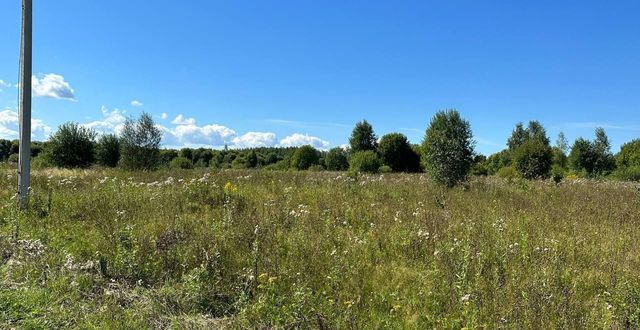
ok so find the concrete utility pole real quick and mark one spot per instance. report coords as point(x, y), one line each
point(24, 160)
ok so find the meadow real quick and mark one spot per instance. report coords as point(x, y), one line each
point(238, 249)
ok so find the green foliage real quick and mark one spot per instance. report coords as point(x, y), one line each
point(336, 160)
point(508, 172)
point(448, 148)
point(629, 154)
point(498, 160)
point(557, 173)
point(5, 149)
point(72, 146)
point(594, 158)
point(363, 138)
point(305, 157)
point(252, 159)
point(533, 159)
point(628, 173)
point(181, 163)
point(385, 169)
point(186, 153)
point(365, 161)
point(395, 151)
point(108, 150)
point(140, 141)
point(479, 167)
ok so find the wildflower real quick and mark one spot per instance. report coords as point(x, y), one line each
point(230, 188)
point(465, 299)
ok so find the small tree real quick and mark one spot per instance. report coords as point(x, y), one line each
point(533, 159)
point(365, 161)
point(181, 163)
point(5, 149)
point(592, 158)
point(72, 146)
point(363, 138)
point(582, 157)
point(336, 160)
point(629, 154)
point(108, 150)
point(305, 157)
point(396, 152)
point(448, 148)
point(140, 141)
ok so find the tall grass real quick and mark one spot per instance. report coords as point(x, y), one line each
point(257, 249)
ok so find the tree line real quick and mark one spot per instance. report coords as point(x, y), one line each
point(446, 153)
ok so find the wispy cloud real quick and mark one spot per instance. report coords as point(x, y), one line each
point(488, 143)
point(304, 124)
point(136, 103)
point(594, 125)
point(415, 130)
point(3, 85)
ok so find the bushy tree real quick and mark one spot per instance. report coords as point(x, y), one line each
point(336, 160)
point(252, 159)
point(5, 149)
point(140, 141)
point(629, 154)
point(533, 159)
point(497, 161)
point(72, 146)
point(582, 156)
point(363, 138)
point(305, 157)
point(108, 150)
point(186, 153)
point(530, 152)
point(181, 162)
point(448, 148)
point(167, 155)
point(365, 161)
point(396, 152)
point(593, 158)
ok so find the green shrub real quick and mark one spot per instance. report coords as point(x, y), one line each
point(316, 168)
point(72, 146)
point(533, 159)
point(108, 150)
point(508, 172)
point(181, 163)
point(305, 157)
point(448, 148)
point(630, 173)
point(336, 160)
point(365, 161)
point(385, 169)
point(396, 152)
point(557, 173)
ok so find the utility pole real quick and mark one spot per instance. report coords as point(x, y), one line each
point(24, 160)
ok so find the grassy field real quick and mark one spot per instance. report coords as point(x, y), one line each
point(257, 249)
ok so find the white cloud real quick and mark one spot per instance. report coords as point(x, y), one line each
point(136, 103)
point(180, 120)
point(255, 139)
point(297, 139)
point(111, 122)
point(191, 135)
point(10, 126)
point(3, 85)
point(52, 86)
point(164, 115)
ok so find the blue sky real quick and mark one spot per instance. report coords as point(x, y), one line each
point(291, 72)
